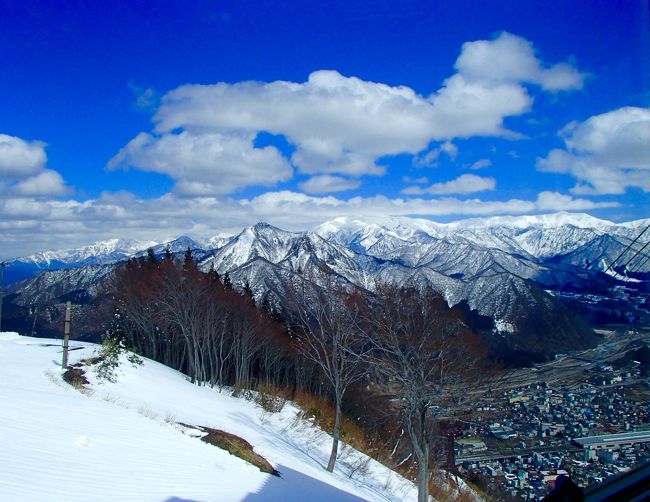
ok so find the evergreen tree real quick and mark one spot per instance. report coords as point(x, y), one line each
point(151, 258)
point(248, 295)
point(189, 265)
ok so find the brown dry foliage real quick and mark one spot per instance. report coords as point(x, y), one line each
point(75, 377)
point(323, 413)
point(239, 447)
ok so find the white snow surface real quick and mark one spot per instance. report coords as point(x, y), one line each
point(122, 441)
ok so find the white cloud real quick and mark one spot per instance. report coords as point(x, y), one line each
point(314, 161)
point(429, 159)
point(449, 148)
point(465, 108)
point(554, 201)
point(419, 181)
point(23, 165)
point(205, 163)
point(465, 184)
point(479, 164)
point(344, 125)
point(327, 183)
point(511, 59)
point(620, 137)
point(332, 120)
point(47, 182)
point(607, 153)
point(20, 158)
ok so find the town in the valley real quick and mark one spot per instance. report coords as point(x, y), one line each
point(585, 415)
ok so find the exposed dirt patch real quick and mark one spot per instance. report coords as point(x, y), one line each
point(236, 446)
point(75, 377)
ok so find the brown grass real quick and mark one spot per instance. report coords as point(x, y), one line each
point(271, 398)
point(75, 377)
point(237, 446)
point(323, 413)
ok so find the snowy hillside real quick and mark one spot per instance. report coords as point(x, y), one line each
point(124, 440)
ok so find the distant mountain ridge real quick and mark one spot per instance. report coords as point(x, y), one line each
point(339, 230)
point(520, 271)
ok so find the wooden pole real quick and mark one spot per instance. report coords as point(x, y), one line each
point(2, 269)
point(66, 335)
point(34, 320)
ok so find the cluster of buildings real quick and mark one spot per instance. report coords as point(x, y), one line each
point(530, 476)
point(586, 431)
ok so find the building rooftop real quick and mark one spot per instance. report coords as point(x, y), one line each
point(626, 437)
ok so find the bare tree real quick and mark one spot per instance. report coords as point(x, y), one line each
point(428, 361)
point(330, 338)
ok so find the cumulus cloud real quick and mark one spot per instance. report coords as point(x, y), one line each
point(606, 153)
point(23, 167)
point(509, 58)
point(20, 158)
point(338, 124)
point(47, 182)
point(343, 125)
point(327, 183)
point(205, 163)
point(465, 108)
point(465, 184)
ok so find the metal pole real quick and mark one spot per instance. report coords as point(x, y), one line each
point(66, 335)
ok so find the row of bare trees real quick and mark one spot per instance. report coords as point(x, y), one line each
point(403, 343)
point(408, 344)
point(189, 320)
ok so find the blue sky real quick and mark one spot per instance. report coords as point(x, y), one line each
point(154, 119)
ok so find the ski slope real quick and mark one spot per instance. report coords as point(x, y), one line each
point(122, 441)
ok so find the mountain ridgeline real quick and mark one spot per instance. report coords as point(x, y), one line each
point(534, 285)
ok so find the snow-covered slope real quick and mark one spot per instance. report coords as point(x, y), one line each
point(122, 440)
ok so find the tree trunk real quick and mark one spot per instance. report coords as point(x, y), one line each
point(423, 480)
point(420, 442)
point(335, 436)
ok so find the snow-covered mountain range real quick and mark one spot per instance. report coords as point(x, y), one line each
point(516, 270)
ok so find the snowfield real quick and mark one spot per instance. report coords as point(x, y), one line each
point(122, 441)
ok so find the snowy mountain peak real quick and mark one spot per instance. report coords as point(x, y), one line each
point(263, 229)
point(263, 226)
point(100, 252)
